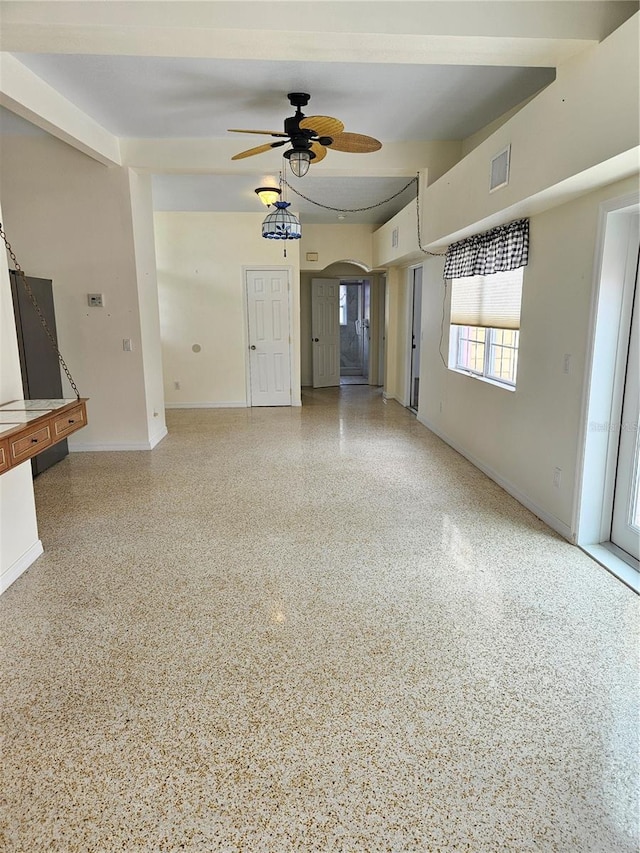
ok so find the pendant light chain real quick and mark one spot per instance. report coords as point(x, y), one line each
point(415, 180)
point(41, 317)
point(352, 209)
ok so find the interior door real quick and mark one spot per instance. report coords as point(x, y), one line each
point(269, 337)
point(325, 331)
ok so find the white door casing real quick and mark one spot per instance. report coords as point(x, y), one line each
point(415, 336)
point(325, 331)
point(269, 337)
point(625, 527)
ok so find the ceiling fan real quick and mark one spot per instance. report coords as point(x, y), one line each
point(310, 136)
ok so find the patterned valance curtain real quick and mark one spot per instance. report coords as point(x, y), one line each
point(503, 248)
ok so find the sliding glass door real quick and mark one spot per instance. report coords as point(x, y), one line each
point(625, 526)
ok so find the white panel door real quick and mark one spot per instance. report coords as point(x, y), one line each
point(325, 331)
point(269, 337)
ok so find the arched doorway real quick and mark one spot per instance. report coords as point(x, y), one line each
point(342, 326)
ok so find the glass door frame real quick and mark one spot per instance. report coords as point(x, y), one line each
point(616, 252)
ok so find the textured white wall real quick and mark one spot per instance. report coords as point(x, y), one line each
point(200, 260)
point(334, 243)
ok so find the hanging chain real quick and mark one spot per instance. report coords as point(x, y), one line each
point(425, 251)
point(41, 317)
point(352, 209)
point(415, 180)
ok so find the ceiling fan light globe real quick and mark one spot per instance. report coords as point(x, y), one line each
point(299, 162)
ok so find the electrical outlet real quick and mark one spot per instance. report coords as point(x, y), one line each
point(126, 344)
point(566, 364)
point(557, 477)
point(176, 385)
point(95, 300)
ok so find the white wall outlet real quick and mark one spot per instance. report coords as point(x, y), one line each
point(176, 385)
point(95, 300)
point(557, 477)
point(566, 363)
point(127, 345)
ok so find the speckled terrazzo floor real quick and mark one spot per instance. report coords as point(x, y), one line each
point(291, 630)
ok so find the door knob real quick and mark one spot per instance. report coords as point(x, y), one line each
point(317, 340)
point(253, 346)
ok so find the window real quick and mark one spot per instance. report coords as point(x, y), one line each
point(343, 305)
point(492, 353)
point(485, 321)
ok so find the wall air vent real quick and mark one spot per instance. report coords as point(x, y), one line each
point(499, 173)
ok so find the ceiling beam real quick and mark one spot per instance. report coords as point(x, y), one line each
point(27, 95)
point(252, 44)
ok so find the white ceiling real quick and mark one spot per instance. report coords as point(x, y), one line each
point(150, 97)
point(162, 71)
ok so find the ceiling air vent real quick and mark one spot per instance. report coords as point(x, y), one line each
point(499, 174)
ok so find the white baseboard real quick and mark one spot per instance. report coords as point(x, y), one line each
point(89, 448)
point(236, 404)
point(21, 565)
point(82, 447)
point(554, 523)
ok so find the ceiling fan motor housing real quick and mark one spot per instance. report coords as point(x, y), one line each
point(298, 99)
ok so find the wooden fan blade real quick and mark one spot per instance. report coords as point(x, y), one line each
point(259, 150)
point(322, 125)
point(355, 143)
point(263, 132)
point(319, 150)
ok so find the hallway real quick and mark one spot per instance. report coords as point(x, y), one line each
point(319, 629)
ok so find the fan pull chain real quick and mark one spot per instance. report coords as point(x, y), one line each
point(41, 317)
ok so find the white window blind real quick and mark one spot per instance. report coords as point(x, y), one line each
point(490, 301)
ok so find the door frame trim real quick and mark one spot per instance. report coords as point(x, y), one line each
point(410, 283)
point(288, 269)
point(607, 345)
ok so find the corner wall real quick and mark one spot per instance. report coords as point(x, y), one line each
point(71, 220)
point(145, 259)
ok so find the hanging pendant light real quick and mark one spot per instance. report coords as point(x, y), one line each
point(281, 224)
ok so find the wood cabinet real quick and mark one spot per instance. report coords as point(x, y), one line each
point(27, 427)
